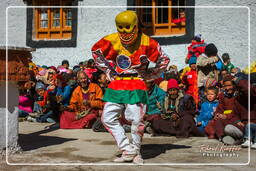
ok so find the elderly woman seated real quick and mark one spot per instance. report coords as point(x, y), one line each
point(85, 104)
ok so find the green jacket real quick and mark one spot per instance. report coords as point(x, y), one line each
point(157, 95)
point(228, 67)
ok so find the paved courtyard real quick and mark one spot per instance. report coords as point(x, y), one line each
point(80, 147)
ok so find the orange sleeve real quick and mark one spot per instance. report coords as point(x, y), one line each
point(96, 96)
point(73, 101)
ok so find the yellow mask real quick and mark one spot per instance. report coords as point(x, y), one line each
point(127, 27)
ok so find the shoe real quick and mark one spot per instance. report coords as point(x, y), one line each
point(149, 130)
point(125, 158)
point(253, 146)
point(50, 120)
point(34, 114)
point(138, 160)
point(247, 143)
point(30, 119)
point(146, 123)
point(118, 153)
point(228, 140)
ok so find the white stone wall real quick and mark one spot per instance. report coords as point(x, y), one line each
point(227, 28)
point(16, 23)
point(12, 110)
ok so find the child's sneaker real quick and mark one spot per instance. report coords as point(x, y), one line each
point(138, 160)
point(149, 130)
point(253, 146)
point(50, 120)
point(34, 114)
point(246, 144)
point(30, 119)
point(125, 157)
point(118, 153)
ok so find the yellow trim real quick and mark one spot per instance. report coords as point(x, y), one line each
point(85, 91)
point(127, 78)
point(227, 112)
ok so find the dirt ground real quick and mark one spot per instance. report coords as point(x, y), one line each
point(58, 149)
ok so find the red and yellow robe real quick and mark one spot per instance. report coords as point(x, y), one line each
point(133, 61)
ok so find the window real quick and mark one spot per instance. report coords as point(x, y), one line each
point(51, 27)
point(52, 23)
point(162, 21)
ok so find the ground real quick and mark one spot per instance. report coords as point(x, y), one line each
point(83, 146)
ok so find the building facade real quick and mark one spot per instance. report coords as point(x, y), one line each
point(226, 27)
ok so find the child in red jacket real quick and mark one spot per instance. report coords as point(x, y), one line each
point(190, 80)
point(196, 47)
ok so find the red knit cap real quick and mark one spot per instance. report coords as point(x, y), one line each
point(54, 68)
point(172, 83)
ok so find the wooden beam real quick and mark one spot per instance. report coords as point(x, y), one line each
point(153, 16)
point(62, 18)
point(49, 20)
point(170, 14)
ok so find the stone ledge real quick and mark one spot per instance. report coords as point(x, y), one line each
point(28, 49)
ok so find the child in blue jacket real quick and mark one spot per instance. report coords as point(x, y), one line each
point(207, 109)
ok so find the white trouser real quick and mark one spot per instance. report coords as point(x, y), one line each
point(133, 113)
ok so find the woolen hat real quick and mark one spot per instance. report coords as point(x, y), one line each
point(211, 50)
point(192, 60)
point(225, 57)
point(172, 83)
point(197, 37)
point(39, 85)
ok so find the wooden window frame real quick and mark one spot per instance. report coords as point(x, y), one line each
point(156, 28)
point(175, 39)
point(31, 37)
point(51, 32)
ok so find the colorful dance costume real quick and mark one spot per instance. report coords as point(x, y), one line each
point(125, 57)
